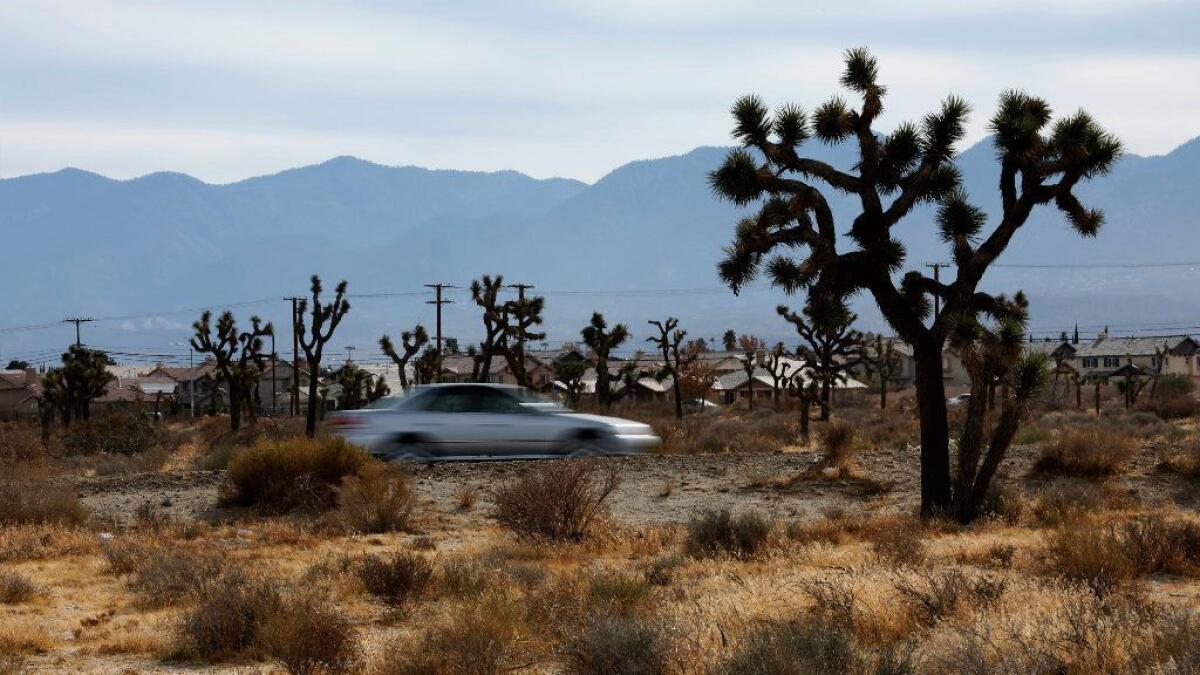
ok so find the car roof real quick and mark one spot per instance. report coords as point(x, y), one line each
point(454, 385)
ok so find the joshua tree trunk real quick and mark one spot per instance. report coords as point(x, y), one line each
point(935, 432)
point(805, 404)
point(310, 419)
point(882, 392)
point(235, 406)
point(826, 392)
point(678, 397)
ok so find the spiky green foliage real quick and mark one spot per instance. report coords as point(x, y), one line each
point(313, 336)
point(603, 342)
point(522, 316)
point(238, 356)
point(485, 293)
point(569, 372)
point(794, 239)
point(411, 342)
point(70, 389)
point(357, 387)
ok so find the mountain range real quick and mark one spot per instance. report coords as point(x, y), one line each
point(642, 242)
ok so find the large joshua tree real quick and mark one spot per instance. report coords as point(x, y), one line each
point(411, 342)
point(238, 357)
point(1041, 162)
point(603, 341)
point(71, 388)
point(832, 349)
point(324, 320)
point(675, 361)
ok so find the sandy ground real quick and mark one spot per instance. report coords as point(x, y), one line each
point(654, 489)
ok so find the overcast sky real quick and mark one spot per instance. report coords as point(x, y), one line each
point(228, 89)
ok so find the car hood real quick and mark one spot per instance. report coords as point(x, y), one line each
point(618, 424)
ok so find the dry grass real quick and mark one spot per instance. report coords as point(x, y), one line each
point(465, 498)
point(615, 644)
point(728, 431)
point(556, 501)
point(1106, 555)
point(1089, 451)
point(485, 637)
point(44, 542)
point(40, 503)
point(396, 580)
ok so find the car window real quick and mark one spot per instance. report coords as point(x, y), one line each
point(493, 401)
point(454, 400)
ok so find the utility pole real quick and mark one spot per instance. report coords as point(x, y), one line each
point(273, 371)
point(349, 352)
point(294, 404)
point(937, 299)
point(438, 301)
point(77, 320)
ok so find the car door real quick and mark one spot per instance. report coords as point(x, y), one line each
point(516, 429)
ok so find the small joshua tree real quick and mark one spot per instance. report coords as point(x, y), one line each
point(411, 342)
point(485, 292)
point(729, 340)
point(313, 338)
point(832, 349)
point(522, 314)
point(603, 342)
point(882, 361)
point(570, 373)
point(992, 352)
point(238, 356)
point(71, 388)
point(358, 387)
point(675, 362)
point(1041, 162)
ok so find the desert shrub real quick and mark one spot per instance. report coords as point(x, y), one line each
point(1176, 408)
point(765, 431)
point(661, 570)
point(794, 649)
point(117, 433)
point(901, 546)
point(226, 620)
point(1063, 502)
point(242, 616)
point(1156, 545)
point(466, 498)
point(40, 502)
point(397, 579)
point(934, 596)
point(1106, 556)
point(485, 638)
point(718, 531)
point(1004, 502)
point(170, 575)
point(464, 577)
point(308, 635)
point(616, 646)
point(1184, 461)
point(380, 500)
point(17, 588)
point(555, 501)
point(301, 472)
point(615, 593)
point(223, 444)
point(44, 542)
point(838, 444)
point(21, 444)
point(1173, 386)
point(1086, 451)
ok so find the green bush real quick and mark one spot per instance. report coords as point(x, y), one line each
point(715, 532)
point(278, 476)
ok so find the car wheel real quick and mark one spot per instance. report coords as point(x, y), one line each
point(583, 447)
point(411, 451)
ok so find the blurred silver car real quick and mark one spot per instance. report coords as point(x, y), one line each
point(485, 421)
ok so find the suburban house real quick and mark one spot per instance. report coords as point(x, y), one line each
point(954, 374)
point(1167, 354)
point(20, 393)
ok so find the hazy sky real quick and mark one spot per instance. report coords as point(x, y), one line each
point(228, 89)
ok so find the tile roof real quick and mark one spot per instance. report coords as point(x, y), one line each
point(1133, 346)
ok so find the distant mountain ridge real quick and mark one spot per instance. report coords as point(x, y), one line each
point(78, 242)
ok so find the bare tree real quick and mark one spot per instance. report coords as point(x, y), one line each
point(325, 319)
point(238, 356)
point(881, 361)
point(412, 341)
point(674, 361)
point(1040, 163)
point(833, 349)
point(777, 364)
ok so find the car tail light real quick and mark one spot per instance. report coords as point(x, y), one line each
point(346, 422)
